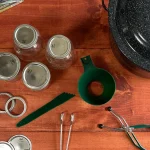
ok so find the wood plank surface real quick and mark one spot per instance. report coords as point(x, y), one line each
point(85, 22)
point(81, 140)
point(128, 100)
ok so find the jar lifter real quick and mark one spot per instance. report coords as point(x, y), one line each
point(6, 4)
point(61, 130)
point(125, 127)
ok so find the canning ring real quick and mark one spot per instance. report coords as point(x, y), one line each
point(12, 104)
point(15, 98)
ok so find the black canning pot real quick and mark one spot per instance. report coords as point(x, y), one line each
point(129, 22)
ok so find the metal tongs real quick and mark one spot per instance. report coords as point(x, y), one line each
point(125, 127)
point(3, 2)
point(61, 130)
point(6, 4)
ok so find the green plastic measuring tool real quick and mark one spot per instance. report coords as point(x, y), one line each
point(60, 99)
point(92, 74)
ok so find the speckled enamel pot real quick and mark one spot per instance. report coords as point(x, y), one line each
point(130, 27)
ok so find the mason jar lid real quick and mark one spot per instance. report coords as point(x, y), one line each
point(20, 142)
point(59, 47)
point(36, 76)
point(25, 36)
point(9, 66)
point(6, 146)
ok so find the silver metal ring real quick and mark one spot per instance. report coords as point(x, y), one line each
point(15, 98)
point(12, 104)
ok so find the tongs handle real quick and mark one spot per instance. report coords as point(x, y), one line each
point(7, 2)
point(140, 126)
point(126, 126)
point(134, 140)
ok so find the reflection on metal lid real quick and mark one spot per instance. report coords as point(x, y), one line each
point(36, 76)
point(59, 46)
point(6, 146)
point(9, 66)
point(25, 36)
point(20, 142)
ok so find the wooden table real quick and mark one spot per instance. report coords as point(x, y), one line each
point(85, 22)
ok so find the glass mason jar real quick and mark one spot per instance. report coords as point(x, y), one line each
point(27, 42)
point(59, 52)
point(36, 76)
point(9, 66)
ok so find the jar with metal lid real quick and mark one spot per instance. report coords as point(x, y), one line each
point(9, 66)
point(20, 142)
point(36, 76)
point(27, 42)
point(60, 53)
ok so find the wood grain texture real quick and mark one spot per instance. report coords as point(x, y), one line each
point(131, 98)
point(85, 22)
point(81, 140)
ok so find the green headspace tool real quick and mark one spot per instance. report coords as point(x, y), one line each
point(94, 74)
point(60, 99)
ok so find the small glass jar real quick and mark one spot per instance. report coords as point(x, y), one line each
point(27, 42)
point(36, 76)
point(60, 52)
point(9, 66)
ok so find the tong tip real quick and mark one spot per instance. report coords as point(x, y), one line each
point(101, 126)
point(109, 108)
point(62, 116)
point(72, 117)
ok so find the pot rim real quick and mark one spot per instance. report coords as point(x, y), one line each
point(124, 48)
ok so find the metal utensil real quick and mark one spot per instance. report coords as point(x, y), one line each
point(70, 129)
point(6, 4)
point(125, 127)
point(61, 130)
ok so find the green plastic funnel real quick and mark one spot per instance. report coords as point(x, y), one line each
point(92, 74)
